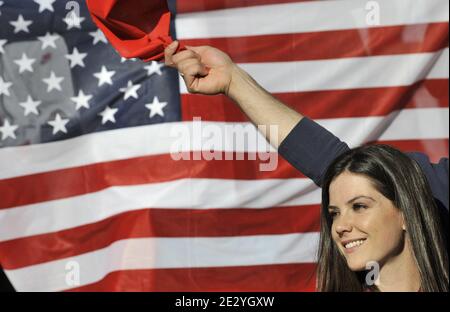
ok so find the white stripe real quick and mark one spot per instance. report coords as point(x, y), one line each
point(348, 73)
point(426, 124)
point(167, 253)
point(157, 139)
point(308, 16)
point(58, 215)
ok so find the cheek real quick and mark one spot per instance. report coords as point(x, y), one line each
point(390, 235)
point(386, 224)
point(386, 233)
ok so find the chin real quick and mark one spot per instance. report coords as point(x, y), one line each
point(356, 265)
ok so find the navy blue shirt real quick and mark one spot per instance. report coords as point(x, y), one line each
point(311, 148)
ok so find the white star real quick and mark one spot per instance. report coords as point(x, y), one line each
point(4, 87)
point(104, 76)
point(25, 63)
point(130, 90)
point(30, 106)
point(82, 100)
point(123, 60)
point(21, 25)
point(76, 58)
point(98, 36)
point(48, 40)
point(45, 5)
point(59, 124)
point(73, 20)
point(8, 130)
point(154, 68)
point(2, 43)
point(156, 108)
point(53, 82)
point(108, 115)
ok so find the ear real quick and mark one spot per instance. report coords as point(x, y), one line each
point(403, 222)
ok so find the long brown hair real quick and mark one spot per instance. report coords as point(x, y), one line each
point(401, 180)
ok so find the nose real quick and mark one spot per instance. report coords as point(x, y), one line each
point(343, 225)
point(341, 229)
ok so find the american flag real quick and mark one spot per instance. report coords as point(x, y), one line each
point(90, 197)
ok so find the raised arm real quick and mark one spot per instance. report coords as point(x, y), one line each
point(302, 142)
point(305, 144)
point(210, 71)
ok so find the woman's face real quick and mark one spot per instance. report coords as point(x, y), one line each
point(366, 225)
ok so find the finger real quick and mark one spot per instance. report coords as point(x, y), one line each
point(196, 70)
point(199, 50)
point(192, 67)
point(169, 52)
point(185, 55)
point(191, 73)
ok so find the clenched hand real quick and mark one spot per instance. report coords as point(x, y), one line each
point(205, 70)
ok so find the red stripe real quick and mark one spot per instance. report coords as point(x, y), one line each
point(151, 169)
point(328, 104)
point(330, 44)
point(160, 168)
point(262, 278)
point(188, 6)
point(158, 223)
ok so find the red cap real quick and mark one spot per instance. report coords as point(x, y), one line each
point(136, 28)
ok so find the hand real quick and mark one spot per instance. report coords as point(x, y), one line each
point(205, 70)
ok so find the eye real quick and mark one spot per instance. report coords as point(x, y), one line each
point(333, 214)
point(359, 206)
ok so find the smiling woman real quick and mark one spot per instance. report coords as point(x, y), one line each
point(377, 207)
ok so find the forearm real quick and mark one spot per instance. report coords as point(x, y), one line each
point(261, 107)
point(302, 142)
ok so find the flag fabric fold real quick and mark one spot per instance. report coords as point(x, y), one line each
point(136, 28)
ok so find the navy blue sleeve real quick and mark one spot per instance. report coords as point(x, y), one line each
point(311, 149)
point(437, 176)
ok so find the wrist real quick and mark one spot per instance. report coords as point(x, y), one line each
point(237, 80)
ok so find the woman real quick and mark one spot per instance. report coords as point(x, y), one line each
point(377, 208)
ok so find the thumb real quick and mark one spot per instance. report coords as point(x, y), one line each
point(169, 52)
point(200, 50)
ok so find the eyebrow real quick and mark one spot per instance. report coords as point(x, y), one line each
point(358, 197)
point(351, 201)
point(333, 208)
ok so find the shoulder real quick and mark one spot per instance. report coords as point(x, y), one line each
point(424, 162)
point(436, 174)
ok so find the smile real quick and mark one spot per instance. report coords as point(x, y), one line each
point(353, 245)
